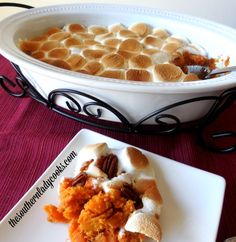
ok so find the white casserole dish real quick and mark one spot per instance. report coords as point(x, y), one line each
point(134, 100)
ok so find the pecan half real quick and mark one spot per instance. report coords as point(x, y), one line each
point(108, 164)
point(129, 193)
point(80, 179)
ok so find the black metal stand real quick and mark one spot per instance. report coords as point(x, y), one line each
point(76, 111)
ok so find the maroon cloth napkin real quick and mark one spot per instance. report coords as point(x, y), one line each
point(31, 137)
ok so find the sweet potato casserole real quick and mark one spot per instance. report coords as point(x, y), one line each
point(137, 53)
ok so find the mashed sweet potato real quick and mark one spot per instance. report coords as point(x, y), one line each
point(93, 215)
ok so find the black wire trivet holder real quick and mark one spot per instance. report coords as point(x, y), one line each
point(21, 88)
point(76, 111)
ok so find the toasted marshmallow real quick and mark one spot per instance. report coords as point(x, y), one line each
point(113, 61)
point(76, 61)
point(59, 36)
point(153, 41)
point(92, 67)
point(61, 63)
point(90, 42)
point(168, 73)
point(96, 29)
point(161, 33)
point(138, 75)
point(49, 45)
point(29, 45)
point(125, 33)
point(131, 45)
point(71, 41)
point(53, 30)
point(161, 57)
point(141, 29)
point(113, 42)
point(116, 74)
point(59, 53)
point(140, 61)
point(144, 223)
point(93, 54)
point(90, 152)
point(177, 39)
point(126, 54)
point(104, 47)
point(171, 47)
point(38, 55)
point(74, 28)
point(102, 37)
point(115, 28)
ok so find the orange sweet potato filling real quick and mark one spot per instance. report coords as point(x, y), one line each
point(93, 215)
point(187, 58)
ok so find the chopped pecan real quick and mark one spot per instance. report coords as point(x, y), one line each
point(129, 193)
point(86, 165)
point(80, 179)
point(108, 164)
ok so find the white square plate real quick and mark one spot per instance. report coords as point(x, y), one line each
point(192, 199)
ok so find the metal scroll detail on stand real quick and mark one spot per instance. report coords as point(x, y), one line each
point(76, 111)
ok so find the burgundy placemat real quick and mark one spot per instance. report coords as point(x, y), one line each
point(31, 136)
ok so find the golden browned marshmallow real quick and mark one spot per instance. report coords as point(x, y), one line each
point(140, 61)
point(104, 47)
point(168, 72)
point(153, 41)
point(115, 28)
point(113, 42)
point(75, 28)
point(49, 45)
point(140, 29)
point(150, 51)
point(161, 33)
point(116, 74)
point(176, 39)
point(96, 29)
point(113, 60)
point(53, 30)
point(93, 54)
point(191, 77)
point(92, 67)
point(125, 33)
point(131, 45)
point(38, 55)
point(84, 36)
point(59, 36)
point(76, 61)
point(146, 224)
point(126, 54)
point(148, 188)
point(103, 36)
point(29, 45)
point(90, 42)
point(138, 75)
point(40, 38)
point(71, 41)
point(137, 158)
point(62, 64)
point(47, 60)
point(59, 53)
point(171, 47)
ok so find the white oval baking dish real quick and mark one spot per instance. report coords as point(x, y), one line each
point(133, 99)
